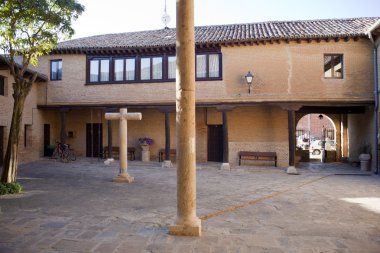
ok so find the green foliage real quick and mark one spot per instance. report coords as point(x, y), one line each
point(10, 188)
point(31, 28)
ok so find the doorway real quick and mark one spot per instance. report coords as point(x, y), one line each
point(215, 143)
point(94, 139)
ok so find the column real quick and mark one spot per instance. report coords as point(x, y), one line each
point(109, 122)
point(63, 114)
point(187, 222)
point(291, 134)
point(167, 162)
point(225, 164)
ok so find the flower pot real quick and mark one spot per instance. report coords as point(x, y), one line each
point(364, 161)
point(145, 147)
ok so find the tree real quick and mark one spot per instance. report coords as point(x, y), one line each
point(28, 30)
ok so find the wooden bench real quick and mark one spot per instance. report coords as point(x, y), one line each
point(258, 156)
point(116, 151)
point(161, 154)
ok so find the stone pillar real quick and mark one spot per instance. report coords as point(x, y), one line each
point(344, 134)
point(291, 133)
point(63, 114)
point(187, 222)
point(109, 139)
point(167, 163)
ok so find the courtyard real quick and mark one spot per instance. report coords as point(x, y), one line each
point(75, 207)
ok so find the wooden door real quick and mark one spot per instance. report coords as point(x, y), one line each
point(94, 139)
point(215, 143)
point(1, 145)
point(46, 139)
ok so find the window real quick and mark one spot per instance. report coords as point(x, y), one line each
point(2, 86)
point(56, 70)
point(99, 70)
point(148, 68)
point(151, 68)
point(208, 66)
point(124, 69)
point(172, 67)
point(333, 66)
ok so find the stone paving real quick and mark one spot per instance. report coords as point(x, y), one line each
point(74, 207)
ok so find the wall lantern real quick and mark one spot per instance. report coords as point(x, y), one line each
point(249, 79)
point(320, 117)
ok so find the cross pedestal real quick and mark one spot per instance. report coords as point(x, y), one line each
point(123, 116)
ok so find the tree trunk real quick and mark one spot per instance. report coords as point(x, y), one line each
point(10, 162)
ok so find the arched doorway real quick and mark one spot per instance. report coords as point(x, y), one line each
point(316, 133)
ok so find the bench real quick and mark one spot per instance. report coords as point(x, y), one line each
point(161, 154)
point(115, 152)
point(258, 156)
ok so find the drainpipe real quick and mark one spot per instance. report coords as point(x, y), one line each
point(376, 93)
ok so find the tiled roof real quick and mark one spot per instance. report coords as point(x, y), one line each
point(40, 77)
point(219, 34)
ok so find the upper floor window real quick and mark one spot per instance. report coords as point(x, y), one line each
point(333, 66)
point(124, 69)
point(151, 68)
point(2, 86)
point(148, 68)
point(55, 70)
point(208, 66)
point(99, 70)
point(172, 67)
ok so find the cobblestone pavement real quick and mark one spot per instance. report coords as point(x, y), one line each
point(75, 207)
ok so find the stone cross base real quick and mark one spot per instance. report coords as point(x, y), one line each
point(291, 170)
point(123, 178)
point(185, 230)
point(167, 164)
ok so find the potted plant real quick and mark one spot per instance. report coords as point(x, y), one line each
point(365, 156)
point(145, 142)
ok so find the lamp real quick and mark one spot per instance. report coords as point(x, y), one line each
point(249, 80)
point(320, 117)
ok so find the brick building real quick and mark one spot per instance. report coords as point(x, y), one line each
point(299, 67)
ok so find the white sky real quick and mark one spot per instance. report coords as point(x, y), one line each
point(116, 16)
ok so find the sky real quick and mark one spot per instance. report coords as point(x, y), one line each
point(117, 16)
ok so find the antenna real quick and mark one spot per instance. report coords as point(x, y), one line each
point(165, 18)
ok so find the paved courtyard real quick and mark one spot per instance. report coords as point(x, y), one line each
point(75, 207)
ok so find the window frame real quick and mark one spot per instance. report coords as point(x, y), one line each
point(208, 78)
point(110, 70)
point(332, 69)
point(51, 70)
point(137, 58)
point(112, 75)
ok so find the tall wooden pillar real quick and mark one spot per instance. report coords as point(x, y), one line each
point(291, 135)
point(63, 116)
point(225, 109)
point(167, 162)
point(109, 122)
point(187, 222)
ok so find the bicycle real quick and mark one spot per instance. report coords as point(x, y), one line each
point(64, 152)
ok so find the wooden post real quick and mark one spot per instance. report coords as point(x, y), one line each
point(109, 139)
point(187, 222)
point(292, 140)
point(63, 113)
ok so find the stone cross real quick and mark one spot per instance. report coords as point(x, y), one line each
point(123, 116)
